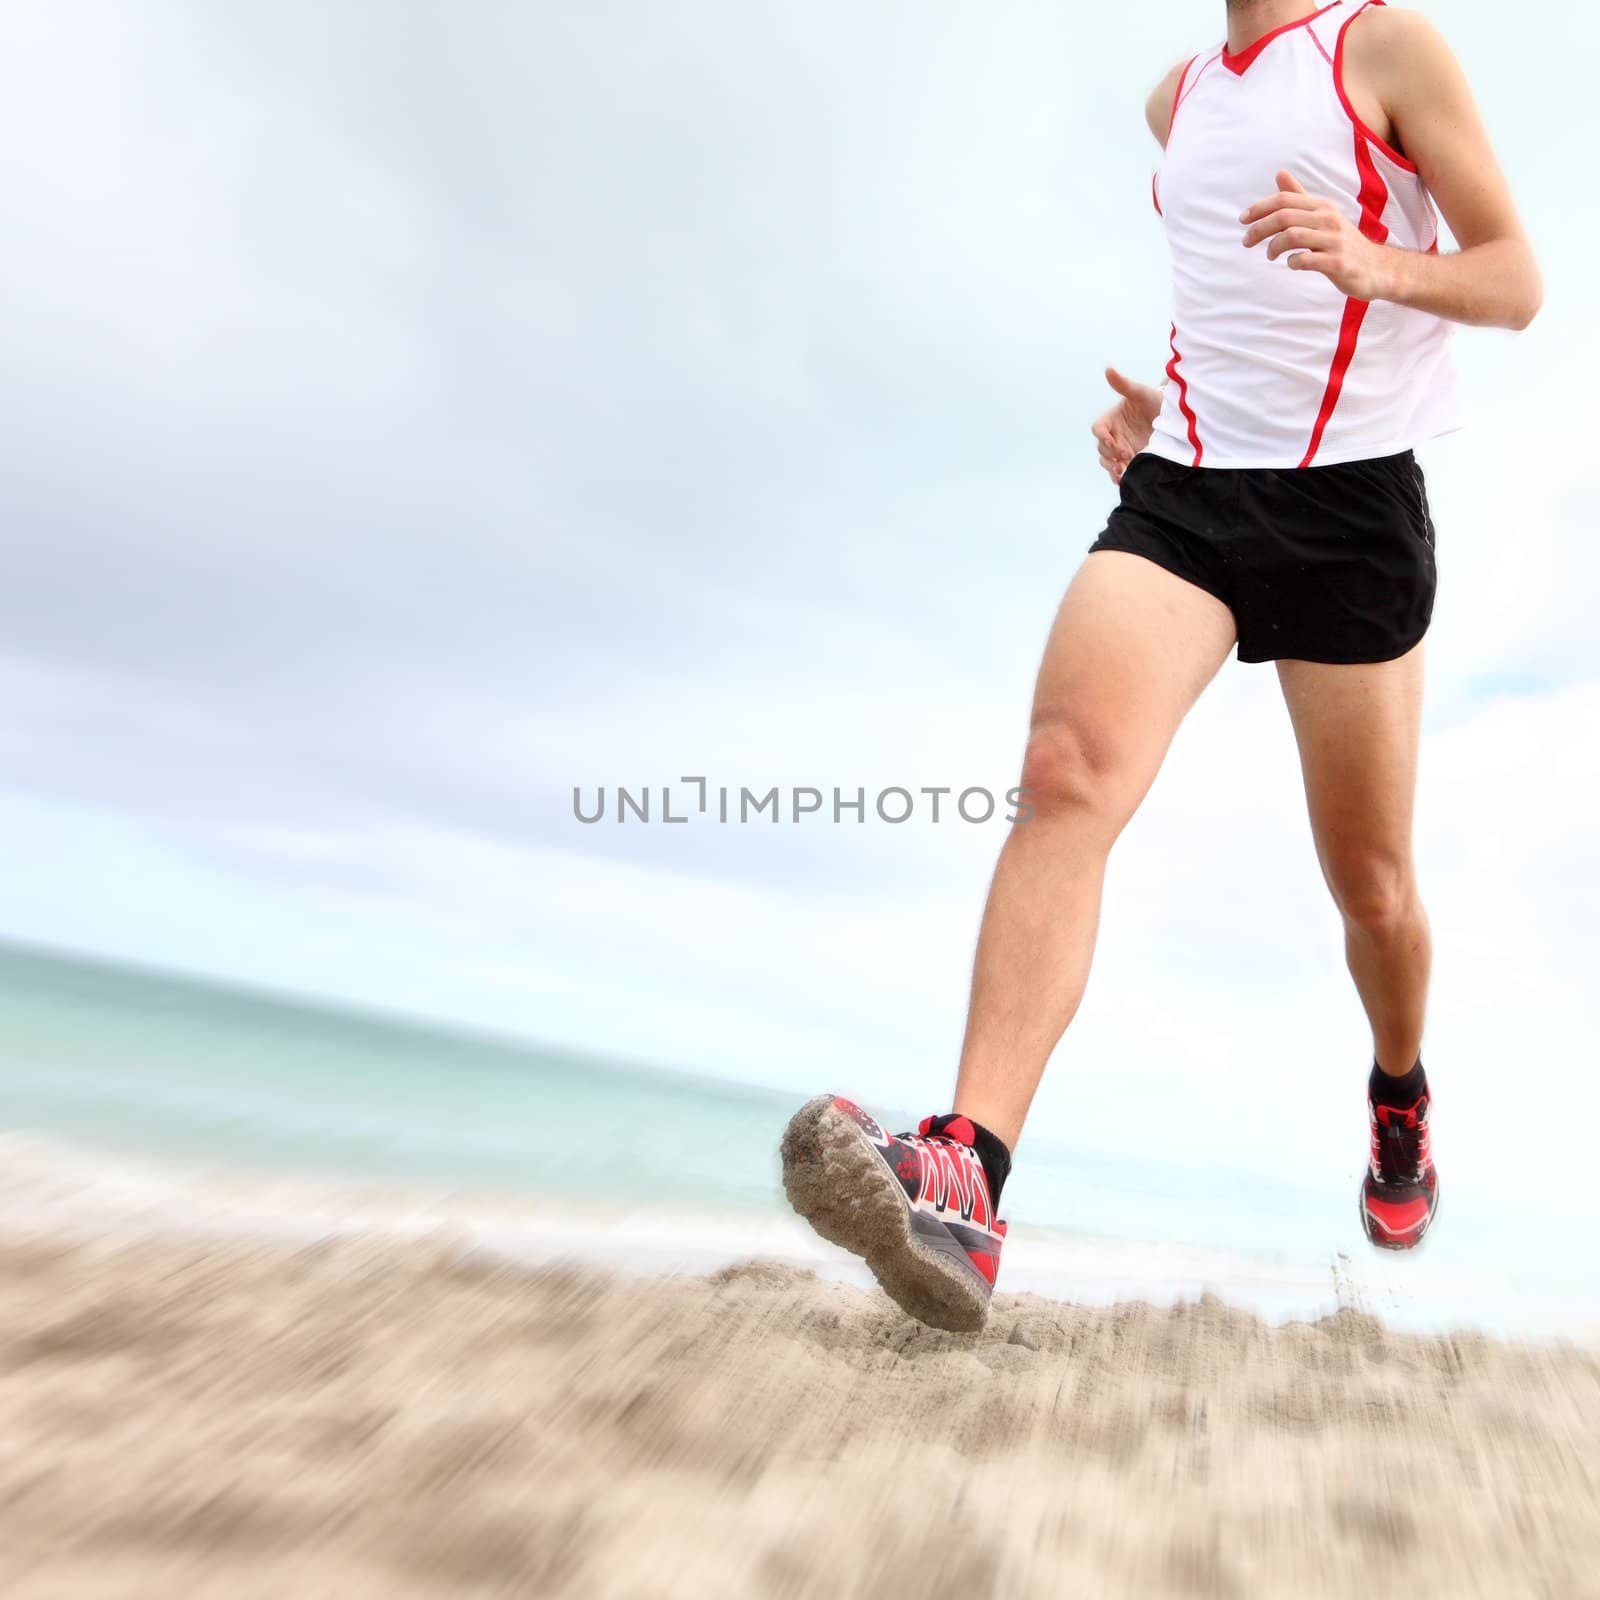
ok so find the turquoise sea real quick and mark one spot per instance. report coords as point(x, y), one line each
point(661, 1170)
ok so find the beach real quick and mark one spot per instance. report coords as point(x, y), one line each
point(390, 1416)
point(293, 1304)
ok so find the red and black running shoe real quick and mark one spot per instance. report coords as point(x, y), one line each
point(915, 1206)
point(1401, 1190)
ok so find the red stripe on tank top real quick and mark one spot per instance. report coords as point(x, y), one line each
point(1183, 398)
point(1172, 119)
point(1374, 197)
point(1177, 95)
point(1349, 106)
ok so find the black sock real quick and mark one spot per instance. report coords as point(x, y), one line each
point(1387, 1090)
point(995, 1157)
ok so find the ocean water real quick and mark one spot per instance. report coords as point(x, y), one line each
point(156, 1065)
point(663, 1171)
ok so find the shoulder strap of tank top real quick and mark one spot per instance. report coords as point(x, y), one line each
point(1194, 69)
point(1327, 27)
point(1349, 10)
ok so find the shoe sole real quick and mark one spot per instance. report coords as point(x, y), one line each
point(838, 1182)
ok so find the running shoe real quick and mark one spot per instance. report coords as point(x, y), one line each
point(1401, 1191)
point(914, 1206)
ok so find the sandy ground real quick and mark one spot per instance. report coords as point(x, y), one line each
point(389, 1418)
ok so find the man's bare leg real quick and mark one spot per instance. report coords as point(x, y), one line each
point(1131, 649)
point(1358, 729)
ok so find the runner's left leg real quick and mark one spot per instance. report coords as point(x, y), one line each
point(1358, 729)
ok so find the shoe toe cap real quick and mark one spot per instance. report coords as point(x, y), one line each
point(1395, 1219)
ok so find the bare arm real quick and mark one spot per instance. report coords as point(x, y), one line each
point(1399, 65)
point(1494, 279)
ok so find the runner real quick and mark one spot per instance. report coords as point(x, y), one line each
point(1270, 503)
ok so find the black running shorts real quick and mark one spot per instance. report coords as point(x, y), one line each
point(1316, 563)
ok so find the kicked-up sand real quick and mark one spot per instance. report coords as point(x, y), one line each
point(381, 1417)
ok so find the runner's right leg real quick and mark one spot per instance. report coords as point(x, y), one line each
point(1132, 648)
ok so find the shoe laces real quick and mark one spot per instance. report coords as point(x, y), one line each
point(1401, 1143)
point(956, 1134)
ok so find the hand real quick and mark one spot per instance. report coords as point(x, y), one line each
point(1317, 237)
point(1125, 429)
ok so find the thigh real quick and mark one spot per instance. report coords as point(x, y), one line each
point(1132, 647)
point(1358, 729)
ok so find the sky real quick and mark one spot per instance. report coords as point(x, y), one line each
point(414, 413)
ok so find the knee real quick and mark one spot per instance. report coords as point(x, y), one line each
point(1375, 892)
point(1067, 768)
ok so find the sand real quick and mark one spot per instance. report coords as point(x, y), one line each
point(388, 1417)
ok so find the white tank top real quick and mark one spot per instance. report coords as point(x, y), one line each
point(1272, 367)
